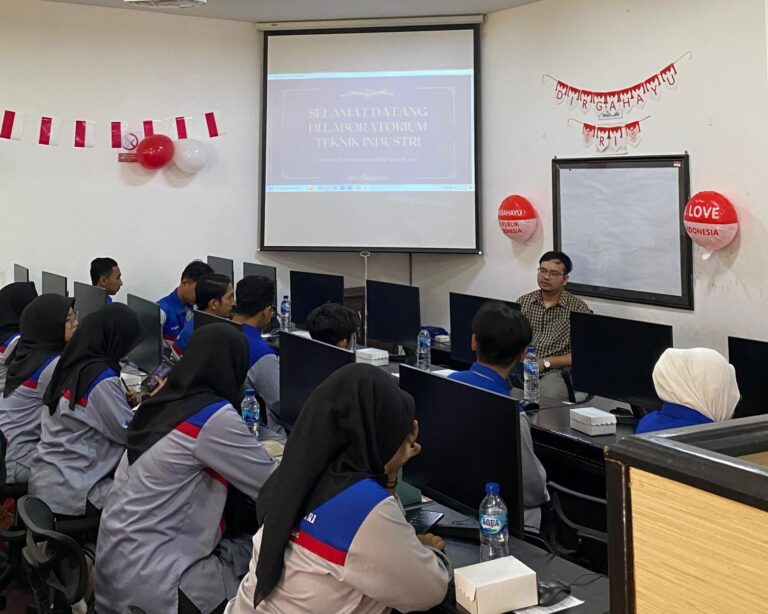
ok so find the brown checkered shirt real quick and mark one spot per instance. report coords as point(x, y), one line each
point(551, 326)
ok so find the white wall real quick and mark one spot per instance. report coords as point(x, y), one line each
point(59, 206)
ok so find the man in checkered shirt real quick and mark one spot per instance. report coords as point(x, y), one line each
point(548, 310)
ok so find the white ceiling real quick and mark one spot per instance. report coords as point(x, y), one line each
point(311, 10)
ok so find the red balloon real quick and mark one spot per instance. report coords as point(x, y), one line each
point(517, 218)
point(711, 221)
point(155, 151)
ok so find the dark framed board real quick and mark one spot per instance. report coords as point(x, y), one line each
point(620, 219)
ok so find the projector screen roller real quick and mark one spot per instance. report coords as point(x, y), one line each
point(369, 140)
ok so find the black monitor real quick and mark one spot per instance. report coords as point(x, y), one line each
point(614, 357)
point(749, 358)
point(148, 353)
point(20, 273)
point(88, 299)
point(54, 284)
point(222, 266)
point(310, 290)
point(463, 308)
point(469, 436)
point(200, 318)
point(304, 364)
point(261, 270)
point(394, 312)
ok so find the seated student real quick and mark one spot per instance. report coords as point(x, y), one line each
point(84, 426)
point(106, 274)
point(253, 309)
point(46, 324)
point(13, 299)
point(500, 336)
point(697, 386)
point(548, 309)
point(160, 546)
point(176, 308)
point(333, 538)
point(334, 324)
point(213, 294)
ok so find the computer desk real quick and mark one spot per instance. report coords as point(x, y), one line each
point(592, 588)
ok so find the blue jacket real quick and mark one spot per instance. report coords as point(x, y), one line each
point(176, 315)
point(483, 377)
point(671, 416)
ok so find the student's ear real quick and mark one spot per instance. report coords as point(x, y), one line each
point(343, 344)
point(473, 343)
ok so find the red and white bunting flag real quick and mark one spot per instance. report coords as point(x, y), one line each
point(151, 127)
point(50, 131)
point(653, 86)
point(599, 99)
point(181, 125)
point(213, 124)
point(84, 133)
point(603, 139)
point(616, 137)
point(633, 133)
point(560, 91)
point(588, 134)
point(587, 102)
point(573, 97)
point(116, 130)
point(669, 76)
point(11, 125)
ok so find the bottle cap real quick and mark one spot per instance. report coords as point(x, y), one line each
point(285, 296)
point(250, 392)
point(531, 349)
point(492, 488)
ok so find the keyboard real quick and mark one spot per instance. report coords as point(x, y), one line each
point(422, 520)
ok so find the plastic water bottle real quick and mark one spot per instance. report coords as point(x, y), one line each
point(531, 376)
point(249, 409)
point(423, 349)
point(285, 314)
point(494, 533)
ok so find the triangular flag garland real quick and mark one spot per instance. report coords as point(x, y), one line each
point(610, 137)
point(83, 133)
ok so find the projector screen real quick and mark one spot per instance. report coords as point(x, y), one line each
point(369, 140)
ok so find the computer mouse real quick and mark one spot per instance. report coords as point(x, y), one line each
point(552, 592)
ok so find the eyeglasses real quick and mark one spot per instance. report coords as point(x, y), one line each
point(547, 273)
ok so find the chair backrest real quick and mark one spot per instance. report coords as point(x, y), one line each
point(53, 560)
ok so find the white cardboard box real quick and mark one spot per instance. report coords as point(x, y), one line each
point(593, 421)
point(372, 356)
point(496, 586)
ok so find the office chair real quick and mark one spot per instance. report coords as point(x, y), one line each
point(572, 392)
point(57, 567)
point(576, 529)
point(10, 561)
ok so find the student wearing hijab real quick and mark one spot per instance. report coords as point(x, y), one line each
point(83, 430)
point(13, 298)
point(46, 325)
point(160, 546)
point(333, 539)
point(698, 386)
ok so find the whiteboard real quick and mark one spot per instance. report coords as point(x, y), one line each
point(621, 222)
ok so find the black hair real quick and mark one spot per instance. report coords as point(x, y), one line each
point(210, 287)
point(562, 257)
point(101, 266)
point(332, 323)
point(253, 294)
point(502, 333)
point(195, 270)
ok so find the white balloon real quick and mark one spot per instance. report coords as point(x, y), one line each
point(189, 155)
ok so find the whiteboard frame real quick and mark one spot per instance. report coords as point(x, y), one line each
point(684, 300)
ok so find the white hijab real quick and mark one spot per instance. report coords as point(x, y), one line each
point(699, 378)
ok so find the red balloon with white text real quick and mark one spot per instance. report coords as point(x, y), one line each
point(711, 221)
point(517, 218)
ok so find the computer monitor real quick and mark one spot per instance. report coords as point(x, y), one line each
point(261, 270)
point(223, 266)
point(20, 273)
point(463, 308)
point(54, 284)
point(304, 364)
point(148, 353)
point(469, 436)
point(614, 357)
point(394, 312)
point(88, 299)
point(749, 358)
point(200, 318)
point(310, 290)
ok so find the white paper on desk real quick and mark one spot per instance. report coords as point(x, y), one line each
point(443, 372)
point(568, 602)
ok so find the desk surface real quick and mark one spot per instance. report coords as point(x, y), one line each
point(591, 588)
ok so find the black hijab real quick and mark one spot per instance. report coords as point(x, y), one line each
point(13, 298)
point(350, 426)
point(42, 336)
point(213, 368)
point(101, 340)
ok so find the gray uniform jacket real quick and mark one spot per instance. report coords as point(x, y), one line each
point(20, 421)
point(79, 448)
point(160, 530)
